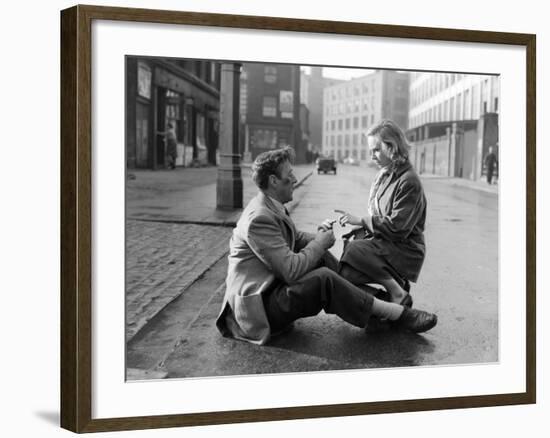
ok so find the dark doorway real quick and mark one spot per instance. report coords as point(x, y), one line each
point(212, 139)
point(161, 127)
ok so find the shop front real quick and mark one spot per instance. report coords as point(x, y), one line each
point(161, 94)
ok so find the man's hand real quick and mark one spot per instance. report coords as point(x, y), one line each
point(325, 238)
point(348, 218)
point(326, 225)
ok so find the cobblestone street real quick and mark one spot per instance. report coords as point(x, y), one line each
point(163, 259)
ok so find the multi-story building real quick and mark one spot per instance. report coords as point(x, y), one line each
point(311, 95)
point(352, 107)
point(163, 90)
point(442, 97)
point(270, 97)
point(453, 121)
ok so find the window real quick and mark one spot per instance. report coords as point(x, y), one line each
point(364, 121)
point(354, 140)
point(496, 104)
point(355, 122)
point(347, 123)
point(346, 140)
point(212, 72)
point(333, 125)
point(269, 108)
point(270, 74)
point(452, 109)
point(340, 124)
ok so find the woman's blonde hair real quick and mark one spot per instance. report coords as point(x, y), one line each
point(393, 140)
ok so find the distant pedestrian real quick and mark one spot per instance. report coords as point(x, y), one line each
point(491, 163)
point(171, 146)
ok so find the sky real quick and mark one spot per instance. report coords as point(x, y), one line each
point(342, 73)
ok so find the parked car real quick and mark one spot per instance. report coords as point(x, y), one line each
point(325, 164)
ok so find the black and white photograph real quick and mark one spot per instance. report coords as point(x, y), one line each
point(275, 219)
point(285, 218)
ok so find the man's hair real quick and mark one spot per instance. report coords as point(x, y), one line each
point(269, 163)
point(393, 139)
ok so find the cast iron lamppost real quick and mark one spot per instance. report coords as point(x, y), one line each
point(229, 187)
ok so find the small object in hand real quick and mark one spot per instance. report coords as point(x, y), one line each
point(327, 225)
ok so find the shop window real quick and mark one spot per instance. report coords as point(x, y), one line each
point(144, 80)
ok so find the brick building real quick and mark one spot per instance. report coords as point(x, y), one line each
point(163, 90)
point(270, 109)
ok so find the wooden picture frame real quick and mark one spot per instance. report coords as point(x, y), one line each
point(76, 217)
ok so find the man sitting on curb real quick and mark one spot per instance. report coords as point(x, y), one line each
point(277, 274)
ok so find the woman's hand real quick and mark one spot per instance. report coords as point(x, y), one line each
point(347, 218)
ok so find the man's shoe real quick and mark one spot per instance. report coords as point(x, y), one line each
point(377, 325)
point(416, 321)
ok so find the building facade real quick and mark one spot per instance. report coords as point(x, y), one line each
point(312, 87)
point(185, 93)
point(443, 97)
point(453, 121)
point(351, 108)
point(270, 109)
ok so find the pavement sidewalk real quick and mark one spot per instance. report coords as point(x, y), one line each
point(480, 185)
point(174, 199)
